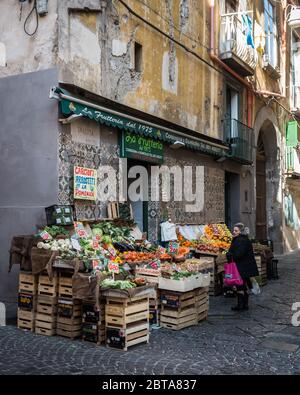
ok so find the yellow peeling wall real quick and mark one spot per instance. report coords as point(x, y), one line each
point(193, 98)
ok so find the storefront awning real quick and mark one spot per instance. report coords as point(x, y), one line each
point(71, 105)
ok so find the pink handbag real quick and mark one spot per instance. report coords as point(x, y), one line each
point(232, 275)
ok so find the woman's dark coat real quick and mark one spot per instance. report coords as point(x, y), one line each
point(241, 252)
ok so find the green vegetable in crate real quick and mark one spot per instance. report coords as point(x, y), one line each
point(97, 232)
point(118, 284)
point(54, 230)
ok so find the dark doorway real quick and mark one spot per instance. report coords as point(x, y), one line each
point(232, 199)
point(261, 199)
point(139, 208)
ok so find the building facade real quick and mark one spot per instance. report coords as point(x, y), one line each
point(219, 76)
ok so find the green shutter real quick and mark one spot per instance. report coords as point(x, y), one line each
point(292, 134)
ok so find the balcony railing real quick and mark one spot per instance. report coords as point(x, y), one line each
point(292, 162)
point(241, 140)
point(295, 98)
point(234, 49)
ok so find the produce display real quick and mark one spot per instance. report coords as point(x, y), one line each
point(107, 248)
point(216, 239)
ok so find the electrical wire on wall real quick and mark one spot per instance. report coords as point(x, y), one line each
point(34, 9)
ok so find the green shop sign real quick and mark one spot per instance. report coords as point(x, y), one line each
point(141, 147)
point(152, 133)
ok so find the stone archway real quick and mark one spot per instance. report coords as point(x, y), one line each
point(267, 135)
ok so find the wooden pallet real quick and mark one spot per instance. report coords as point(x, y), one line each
point(48, 287)
point(26, 319)
point(65, 289)
point(28, 283)
point(135, 333)
point(47, 305)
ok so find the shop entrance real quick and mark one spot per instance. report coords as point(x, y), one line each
point(232, 199)
point(261, 199)
point(139, 208)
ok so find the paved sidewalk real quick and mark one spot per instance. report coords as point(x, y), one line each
point(260, 341)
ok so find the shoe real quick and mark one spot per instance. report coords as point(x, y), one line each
point(240, 303)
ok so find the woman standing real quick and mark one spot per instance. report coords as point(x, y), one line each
point(241, 252)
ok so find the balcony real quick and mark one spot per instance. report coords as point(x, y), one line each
point(234, 50)
point(295, 100)
point(292, 162)
point(241, 140)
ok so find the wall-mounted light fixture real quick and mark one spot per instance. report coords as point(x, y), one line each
point(72, 118)
point(177, 144)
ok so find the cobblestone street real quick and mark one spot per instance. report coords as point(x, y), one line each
point(260, 341)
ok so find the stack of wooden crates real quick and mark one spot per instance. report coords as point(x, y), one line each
point(262, 279)
point(46, 305)
point(93, 321)
point(126, 321)
point(27, 299)
point(183, 309)
point(69, 312)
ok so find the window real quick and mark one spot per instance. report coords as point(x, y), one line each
point(271, 33)
point(138, 49)
point(295, 72)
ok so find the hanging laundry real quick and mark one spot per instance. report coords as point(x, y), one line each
point(248, 29)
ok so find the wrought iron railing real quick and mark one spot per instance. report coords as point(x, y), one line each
point(240, 139)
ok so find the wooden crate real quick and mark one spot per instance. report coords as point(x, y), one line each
point(69, 308)
point(262, 279)
point(126, 321)
point(69, 327)
point(48, 287)
point(93, 323)
point(65, 289)
point(113, 210)
point(45, 324)
point(133, 334)
point(28, 283)
point(27, 301)
point(93, 332)
point(121, 312)
point(154, 316)
point(177, 324)
point(26, 319)
point(176, 300)
point(47, 305)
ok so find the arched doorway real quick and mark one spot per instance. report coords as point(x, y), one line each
point(261, 197)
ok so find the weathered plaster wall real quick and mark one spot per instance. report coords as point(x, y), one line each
point(28, 164)
point(25, 53)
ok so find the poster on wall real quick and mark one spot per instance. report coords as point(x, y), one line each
point(85, 183)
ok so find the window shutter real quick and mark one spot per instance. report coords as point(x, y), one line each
point(292, 134)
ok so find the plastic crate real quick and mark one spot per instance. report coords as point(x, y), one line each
point(59, 215)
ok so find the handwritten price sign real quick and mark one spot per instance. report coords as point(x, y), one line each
point(113, 268)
